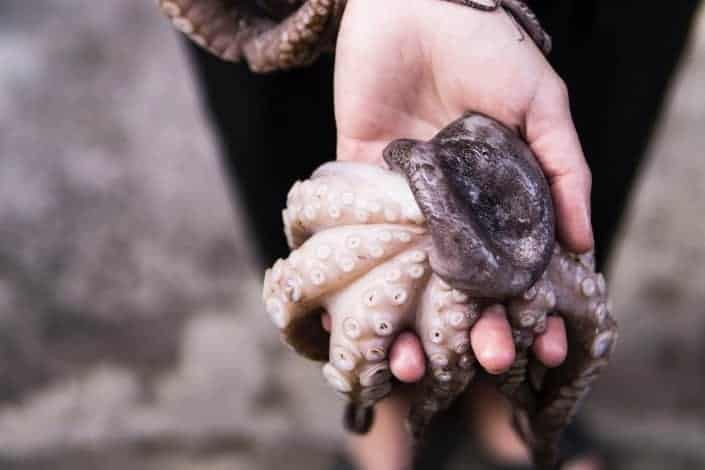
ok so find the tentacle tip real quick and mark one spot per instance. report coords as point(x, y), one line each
point(358, 419)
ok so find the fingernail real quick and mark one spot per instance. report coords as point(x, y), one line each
point(555, 353)
point(496, 360)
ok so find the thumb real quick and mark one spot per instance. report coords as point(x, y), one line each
point(551, 135)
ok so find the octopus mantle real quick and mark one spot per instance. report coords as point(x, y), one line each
point(455, 225)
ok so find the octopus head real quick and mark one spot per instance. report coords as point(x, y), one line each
point(486, 202)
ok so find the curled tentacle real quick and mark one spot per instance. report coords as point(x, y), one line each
point(233, 30)
point(296, 286)
point(298, 40)
point(445, 316)
point(366, 317)
point(521, 12)
point(527, 316)
point(486, 202)
point(581, 300)
point(343, 193)
point(527, 19)
point(216, 25)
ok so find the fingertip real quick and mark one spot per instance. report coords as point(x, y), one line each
point(491, 340)
point(497, 360)
point(406, 358)
point(551, 348)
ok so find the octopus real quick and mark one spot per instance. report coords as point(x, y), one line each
point(425, 243)
point(281, 34)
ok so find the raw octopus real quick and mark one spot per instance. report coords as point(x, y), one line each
point(448, 228)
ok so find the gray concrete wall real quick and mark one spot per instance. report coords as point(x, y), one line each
point(131, 333)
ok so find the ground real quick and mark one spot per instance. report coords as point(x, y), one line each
point(131, 332)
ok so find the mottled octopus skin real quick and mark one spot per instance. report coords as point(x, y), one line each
point(493, 232)
point(365, 243)
point(281, 34)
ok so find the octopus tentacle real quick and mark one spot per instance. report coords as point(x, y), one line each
point(216, 25)
point(343, 193)
point(297, 40)
point(366, 317)
point(527, 19)
point(527, 317)
point(581, 297)
point(231, 31)
point(521, 12)
point(528, 311)
point(443, 322)
point(294, 287)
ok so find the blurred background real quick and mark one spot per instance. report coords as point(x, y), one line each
point(131, 331)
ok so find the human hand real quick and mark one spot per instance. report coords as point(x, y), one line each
point(406, 68)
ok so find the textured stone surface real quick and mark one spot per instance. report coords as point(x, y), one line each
point(131, 333)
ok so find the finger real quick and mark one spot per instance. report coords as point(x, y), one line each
point(406, 358)
point(491, 340)
point(552, 136)
point(326, 322)
point(551, 348)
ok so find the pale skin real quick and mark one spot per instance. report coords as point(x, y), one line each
point(406, 68)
